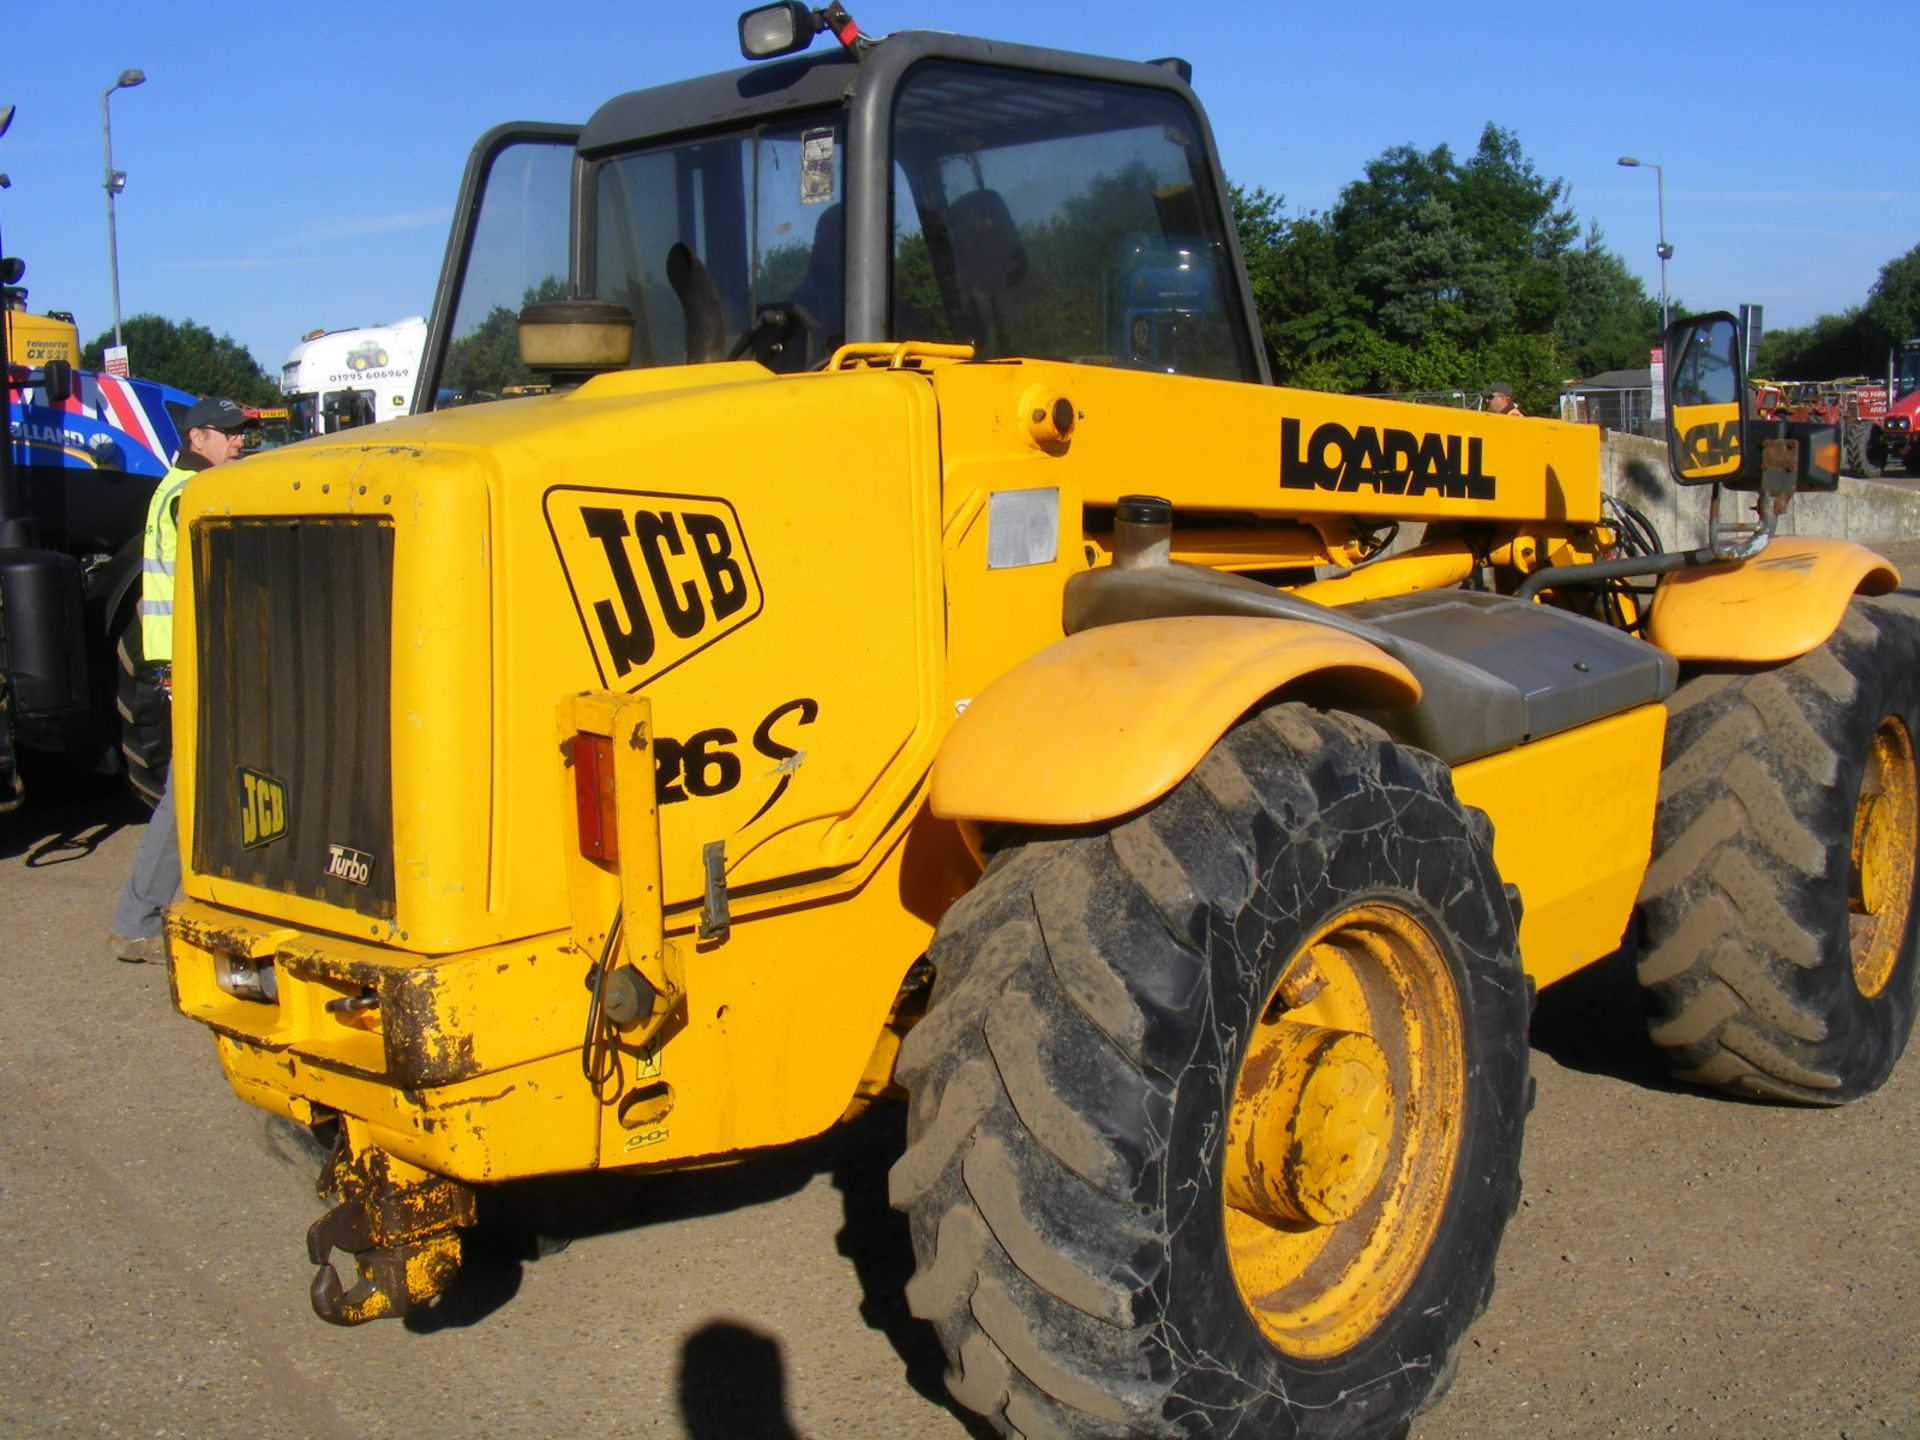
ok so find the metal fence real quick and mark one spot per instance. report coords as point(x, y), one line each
point(1629, 409)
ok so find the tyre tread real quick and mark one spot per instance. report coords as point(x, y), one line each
point(1747, 963)
point(1070, 983)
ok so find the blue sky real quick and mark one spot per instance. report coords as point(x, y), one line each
point(292, 167)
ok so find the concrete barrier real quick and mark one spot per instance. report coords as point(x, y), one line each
point(1634, 469)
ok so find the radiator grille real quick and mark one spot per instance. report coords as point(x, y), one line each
point(294, 785)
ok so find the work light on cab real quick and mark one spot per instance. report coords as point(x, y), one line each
point(768, 31)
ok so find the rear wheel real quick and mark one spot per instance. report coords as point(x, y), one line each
point(1780, 914)
point(1216, 1114)
point(146, 718)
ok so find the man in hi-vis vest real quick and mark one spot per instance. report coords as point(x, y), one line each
point(214, 429)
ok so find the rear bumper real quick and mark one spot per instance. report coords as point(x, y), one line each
point(400, 1048)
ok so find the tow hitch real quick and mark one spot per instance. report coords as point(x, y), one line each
point(400, 1224)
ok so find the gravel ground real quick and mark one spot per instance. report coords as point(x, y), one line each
point(1681, 1264)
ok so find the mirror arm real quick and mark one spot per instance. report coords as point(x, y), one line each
point(1627, 567)
point(1724, 542)
point(1743, 542)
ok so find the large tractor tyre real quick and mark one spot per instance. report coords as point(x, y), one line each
point(146, 718)
point(1859, 458)
point(1779, 907)
point(1216, 1113)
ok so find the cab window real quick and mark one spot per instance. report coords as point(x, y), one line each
point(1065, 219)
point(759, 212)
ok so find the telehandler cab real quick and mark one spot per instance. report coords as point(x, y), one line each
point(899, 645)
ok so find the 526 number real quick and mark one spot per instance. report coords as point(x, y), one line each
point(700, 765)
point(705, 763)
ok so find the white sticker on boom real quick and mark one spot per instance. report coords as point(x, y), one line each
point(1023, 528)
point(816, 167)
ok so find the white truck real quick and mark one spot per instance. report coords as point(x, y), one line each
point(336, 379)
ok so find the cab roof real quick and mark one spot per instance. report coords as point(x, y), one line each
point(825, 78)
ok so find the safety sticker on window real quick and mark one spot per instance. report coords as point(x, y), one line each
point(816, 167)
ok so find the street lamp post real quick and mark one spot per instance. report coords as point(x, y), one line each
point(116, 181)
point(1663, 249)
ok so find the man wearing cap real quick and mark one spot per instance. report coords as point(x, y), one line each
point(1500, 399)
point(214, 429)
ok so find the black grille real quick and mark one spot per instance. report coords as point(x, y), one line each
point(294, 790)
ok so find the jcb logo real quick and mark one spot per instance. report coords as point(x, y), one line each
point(1709, 445)
point(655, 578)
point(263, 808)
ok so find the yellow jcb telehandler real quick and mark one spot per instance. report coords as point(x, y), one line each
point(896, 644)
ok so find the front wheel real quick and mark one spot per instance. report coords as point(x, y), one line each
point(1216, 1114)
point(1780, 915)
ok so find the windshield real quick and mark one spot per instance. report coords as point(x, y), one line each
point(706, 240)
point(517, 255)
point(1908, 379)
point(310, 414)
point(1032, 214)
point(1051, 217)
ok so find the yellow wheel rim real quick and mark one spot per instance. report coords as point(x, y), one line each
point(1884, 831)
point(1342, 1136)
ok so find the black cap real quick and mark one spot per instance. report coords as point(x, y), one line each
point(216, 412)
point(1143, 510)
point(1500, 387)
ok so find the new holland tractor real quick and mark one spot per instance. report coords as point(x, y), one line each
point(904, 656)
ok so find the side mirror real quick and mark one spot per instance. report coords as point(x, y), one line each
point(56, 378)
point(1706, 391)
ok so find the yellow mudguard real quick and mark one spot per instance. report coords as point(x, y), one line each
point(1112, 718)
point(1775, 607)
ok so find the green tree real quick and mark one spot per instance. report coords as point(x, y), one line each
point(1832, 346)
point(1468, 250)
point(1432, 273)
point(1309, 312)
point(782, 268)
point(1855, 341)
point(1519, 222)
point(1893, 306)
point(188, 356)
point(486, 360)
point(1608, 321)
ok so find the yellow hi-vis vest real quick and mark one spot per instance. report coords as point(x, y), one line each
point(156, 567)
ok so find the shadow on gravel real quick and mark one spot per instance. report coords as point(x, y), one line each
point(1594, 1021)
point(875, 1239)
point(523, 1223)
point(66, 816)
point(733, 1385)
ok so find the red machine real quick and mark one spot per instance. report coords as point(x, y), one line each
point(1857, 407)
point(1897, 429)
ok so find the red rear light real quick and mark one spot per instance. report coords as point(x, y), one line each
point(593, 796)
